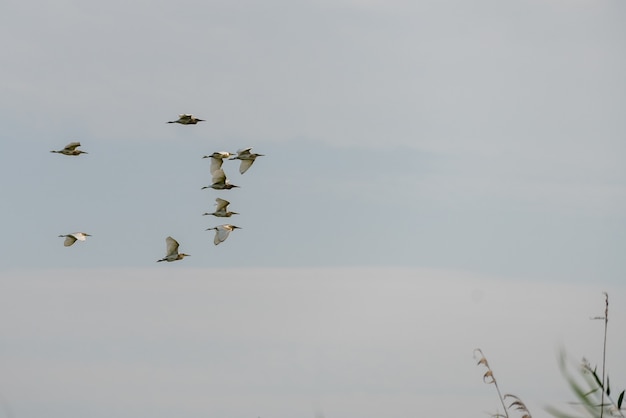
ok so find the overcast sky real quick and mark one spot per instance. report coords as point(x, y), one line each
point(438, 176)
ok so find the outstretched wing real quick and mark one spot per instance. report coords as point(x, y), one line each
point(221, 234)
point(221, 204)
point(71, 146)
point(216, 163)
point(243, 152)
point(69, 240)
point(245, 165)
point(171, 246)
point(218, 176)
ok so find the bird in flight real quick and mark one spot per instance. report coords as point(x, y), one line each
point(247, 159)
point(171, 251)
point(222, 209)
point(186, 119)
point(72, 238)
point(222, 231)
point(70, 149)
point(220, 182)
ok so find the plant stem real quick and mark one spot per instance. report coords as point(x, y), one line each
point(606, 322)
point(501, 398)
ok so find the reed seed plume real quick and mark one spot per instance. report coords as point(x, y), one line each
point(518, 405)
point(490, 378)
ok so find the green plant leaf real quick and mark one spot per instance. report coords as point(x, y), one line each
point(595, 376)
point(620, 399)
point(608, 386)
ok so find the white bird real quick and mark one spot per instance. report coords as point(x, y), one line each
point(72, 238)
point(222, 231)
point(217, 158)
point(171, 251)
point(220, 182)
point(186, 119)
point(70, 149)
point(222, 209)
point(246, 157)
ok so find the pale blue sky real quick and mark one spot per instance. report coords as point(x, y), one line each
point(435, 149)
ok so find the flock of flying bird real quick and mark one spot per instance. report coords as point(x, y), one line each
point(219, 182)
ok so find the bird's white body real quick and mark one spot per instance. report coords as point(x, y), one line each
point(222, 231)
point(186, 119)
point(221, 209)
point(70, 149)
point(247, 158)
point(72, 238)
point(220, 182)
point(217, 158)
point(171, 251)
